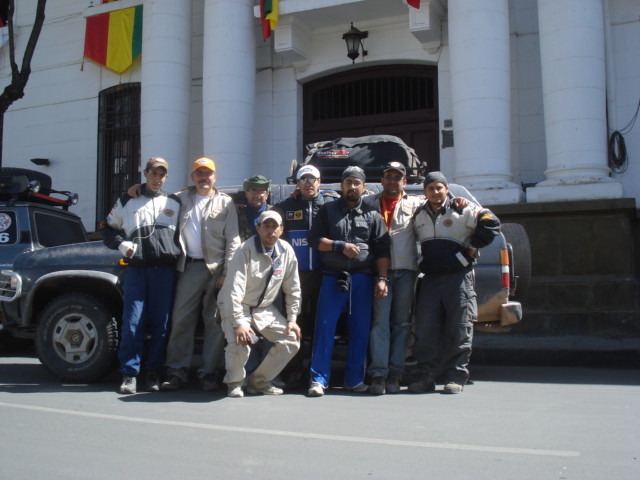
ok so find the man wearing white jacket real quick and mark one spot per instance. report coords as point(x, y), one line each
point(262, 267)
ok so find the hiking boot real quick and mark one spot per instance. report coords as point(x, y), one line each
point(393, 383)
point(235, 391)
point(423, 384)
point(209, 383)
point(315, 389)
point(267, 389)
point(452, 388)
point(172, 383)
point(378, 386)
point(152, 382)
point(360, 388)
point(128, 385)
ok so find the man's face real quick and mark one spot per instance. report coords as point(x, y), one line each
point(393, 183)
point(269, 232)
point(436, 193)
point(155, 178)
point(352, 189)
point(309, 186)
point(256, 196)
point(204, 179)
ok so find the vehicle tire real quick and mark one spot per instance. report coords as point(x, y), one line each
point(43, 178)
point(77, 338)
point(517, 237)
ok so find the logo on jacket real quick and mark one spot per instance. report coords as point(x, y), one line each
point(294, 215)
point(447, 223)
point(169, 212)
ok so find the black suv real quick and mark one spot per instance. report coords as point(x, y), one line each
point(55, 285)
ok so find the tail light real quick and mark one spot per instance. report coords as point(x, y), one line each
point(504, 261)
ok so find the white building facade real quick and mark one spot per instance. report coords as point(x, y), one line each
point(527, 92)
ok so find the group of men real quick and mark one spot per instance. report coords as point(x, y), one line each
point(248, 269)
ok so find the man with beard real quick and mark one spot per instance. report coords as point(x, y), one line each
point(209, 237)
point(354, 246)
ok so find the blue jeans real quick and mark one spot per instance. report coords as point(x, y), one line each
point(330, 305)
point(391, 324)
point(148, 296)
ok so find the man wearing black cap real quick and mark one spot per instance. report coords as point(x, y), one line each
point(446, 305)
point(354, 246)
point(391, 320)
point(256, 193)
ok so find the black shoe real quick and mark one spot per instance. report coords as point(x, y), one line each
point(210, 383)
point(152, 382)
point(172, 383)
point(424, 384)
point(378, 386)
point(393, 383)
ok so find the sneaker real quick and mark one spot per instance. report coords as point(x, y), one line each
point(172, 383)
point(360, 388)
point(235, 391)
point(393, 383)
point(209, 383)
point(452, 388)
point(268, 389)
point(128, 385)
point(278, 382)
point(152, 382)
point(378, 386)
point(423, 384)
point(315, 389)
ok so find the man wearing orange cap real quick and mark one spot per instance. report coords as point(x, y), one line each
point(208, 236)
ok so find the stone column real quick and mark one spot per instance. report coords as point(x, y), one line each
point(574, 99)
point(166, 86)
point(481, 99)
point(229, 76)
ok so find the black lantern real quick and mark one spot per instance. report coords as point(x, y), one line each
point(354, 38)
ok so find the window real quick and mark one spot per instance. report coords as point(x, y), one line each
point(53, 230)
point(118, 144)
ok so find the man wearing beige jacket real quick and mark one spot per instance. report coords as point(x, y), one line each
point(263, 267)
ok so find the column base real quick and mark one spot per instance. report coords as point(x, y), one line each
point(498, 196)
point(585, 191)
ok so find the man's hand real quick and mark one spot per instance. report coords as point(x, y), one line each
point(382, 289)
point(134, 190)
point(295, 328)
point(243, 335)
point(351, 250)
point(459, 203)
point(220, 281)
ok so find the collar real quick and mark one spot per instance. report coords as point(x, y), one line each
point(278, 249)
point(345, 208)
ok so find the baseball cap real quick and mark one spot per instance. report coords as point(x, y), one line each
point(155, 162)
point(397, 166)
point(307, 170)
point(257, 181)
point(204, 162)
point(272, 214)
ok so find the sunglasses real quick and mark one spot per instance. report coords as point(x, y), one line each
point(307, 180)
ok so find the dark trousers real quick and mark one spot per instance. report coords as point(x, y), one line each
point(445, 311)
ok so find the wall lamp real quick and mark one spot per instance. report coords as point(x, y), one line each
point(42, 162)
point(354, 38)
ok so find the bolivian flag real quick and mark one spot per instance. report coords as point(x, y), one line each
point(268, 16)
point(114, 39)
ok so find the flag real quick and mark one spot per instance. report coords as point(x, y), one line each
point(414, 3)
point(109, 1)
point(268, 16)
point(114, 39)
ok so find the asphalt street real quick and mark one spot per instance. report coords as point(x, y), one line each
point(512, 423)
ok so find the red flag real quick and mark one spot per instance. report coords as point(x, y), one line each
point(414, 3)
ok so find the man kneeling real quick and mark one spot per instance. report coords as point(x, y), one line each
point(262, 267)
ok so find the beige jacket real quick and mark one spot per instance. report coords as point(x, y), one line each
point(219, 229)
point(245, 282)
point(404, 247)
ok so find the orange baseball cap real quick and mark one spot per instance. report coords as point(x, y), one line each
point(204, 162)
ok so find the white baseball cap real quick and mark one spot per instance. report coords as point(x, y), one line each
point(307, 170)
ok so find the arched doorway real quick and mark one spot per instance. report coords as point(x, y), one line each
point(400, 100)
